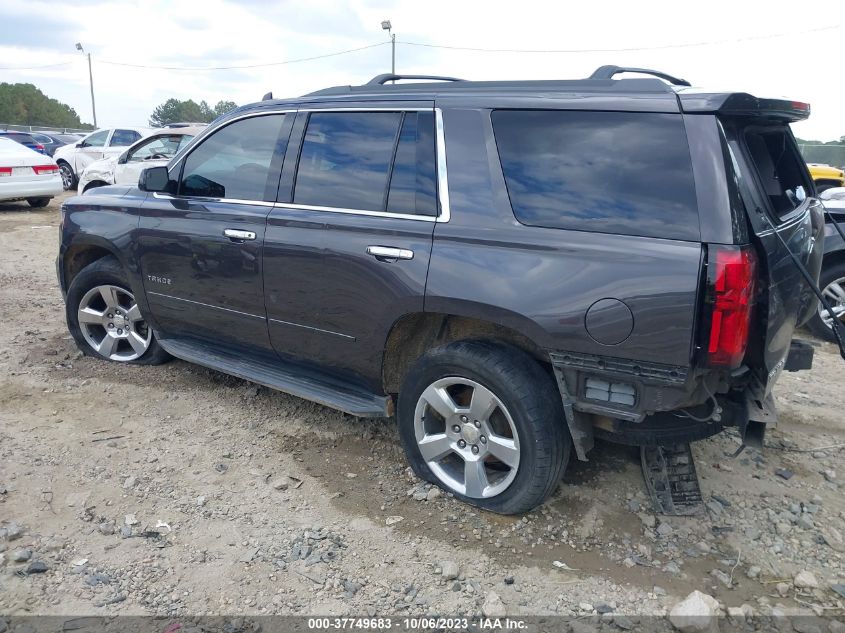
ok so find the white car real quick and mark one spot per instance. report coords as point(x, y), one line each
point(27, 175)
point(73, 159)
point(151, 151)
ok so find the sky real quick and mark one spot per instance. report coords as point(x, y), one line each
point(768, 48)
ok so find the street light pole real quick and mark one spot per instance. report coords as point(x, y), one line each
point(387, 26)
point(90, 81)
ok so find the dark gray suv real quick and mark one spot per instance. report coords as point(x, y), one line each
point(511, 269)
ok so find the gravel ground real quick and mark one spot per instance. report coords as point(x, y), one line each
point(176, 490)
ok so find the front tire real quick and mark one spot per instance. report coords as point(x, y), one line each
point(105, 320)
point(484, 421)
point(38, 203)
point(832, 283)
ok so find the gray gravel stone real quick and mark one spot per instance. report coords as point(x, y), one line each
point(449, 569)
point(20, 555)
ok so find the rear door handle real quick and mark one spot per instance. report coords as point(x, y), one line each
point(386, 253)
point(237, 234)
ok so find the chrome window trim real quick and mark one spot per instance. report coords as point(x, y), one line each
point(206, 305)
point(167, 196)
point(444, 214)
point(442, 176)
point(375, 214)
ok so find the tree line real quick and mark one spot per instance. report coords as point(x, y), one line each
point(24, 104)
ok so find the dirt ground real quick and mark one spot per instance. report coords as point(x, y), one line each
point(177, 490)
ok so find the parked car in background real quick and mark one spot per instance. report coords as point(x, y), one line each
point(24, 138)
point(832, 278)
point(124, 169)
point(602, 259)
point(826, 177)
point(27, 175)
point(53, 141)
point(73, 159)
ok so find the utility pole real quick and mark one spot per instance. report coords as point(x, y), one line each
point(387, 26)
point(90, 81)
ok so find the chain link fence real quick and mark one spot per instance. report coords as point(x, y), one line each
point(9, 127)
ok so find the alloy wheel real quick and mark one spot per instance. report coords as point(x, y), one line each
point(467, 437)
point(112, 325)
point(67, 175)
point(834, 292)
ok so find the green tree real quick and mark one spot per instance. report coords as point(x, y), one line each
point(24, 104)
point(176, 111)
point(223, 107)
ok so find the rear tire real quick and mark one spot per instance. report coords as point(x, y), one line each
point(69, 179)
point(498, 438)
point(104, 319)
point(829, 276)
point(38, 203)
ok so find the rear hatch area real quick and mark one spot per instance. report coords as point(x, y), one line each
point(777, 196)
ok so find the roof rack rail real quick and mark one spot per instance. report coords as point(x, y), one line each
point(607, 72)
point(380, 80)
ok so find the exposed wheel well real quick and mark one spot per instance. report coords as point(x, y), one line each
point(79, 257)
point(833, 258)
point(95, 183)
point(414, 334)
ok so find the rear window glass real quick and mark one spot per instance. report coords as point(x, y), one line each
point(610, 172)
point(779, 166)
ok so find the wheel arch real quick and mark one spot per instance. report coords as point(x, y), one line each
point(414, 334)
point(81, 254)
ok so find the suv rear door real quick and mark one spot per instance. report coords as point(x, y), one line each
point(348, 244)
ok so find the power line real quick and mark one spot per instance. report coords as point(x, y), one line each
point(619, 50)
point(205, 68)
point(35, 67)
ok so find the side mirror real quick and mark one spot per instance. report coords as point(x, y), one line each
point(155, 179)
point(80, 144)
point(123, 158)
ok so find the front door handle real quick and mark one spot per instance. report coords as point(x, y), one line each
point(237, 234)
point(388, 253)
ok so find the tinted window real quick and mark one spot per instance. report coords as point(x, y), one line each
point(412, 181)
point(234, 162)
point(121, 138)
point(25, 139)
point(97, 139)
point(345, 159)
point(611, 172)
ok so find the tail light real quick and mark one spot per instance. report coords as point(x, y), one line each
point(39, 148)
point(731, 280)
point(5, 171)
point(43, 170)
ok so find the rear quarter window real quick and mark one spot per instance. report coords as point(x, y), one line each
point(609, 172)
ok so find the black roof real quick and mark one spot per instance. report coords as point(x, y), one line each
point(659, 87)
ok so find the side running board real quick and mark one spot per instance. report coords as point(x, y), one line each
point(303, 382)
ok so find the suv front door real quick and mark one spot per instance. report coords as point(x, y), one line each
point(200, 250)
point(348, 245)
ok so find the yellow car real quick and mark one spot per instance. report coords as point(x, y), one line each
point(825, 176)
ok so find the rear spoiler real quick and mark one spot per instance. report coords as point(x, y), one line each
point(742, 104)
